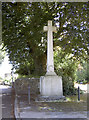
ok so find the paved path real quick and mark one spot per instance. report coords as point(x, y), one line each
point(24, 110)
point(7, 102)
point(53, 114)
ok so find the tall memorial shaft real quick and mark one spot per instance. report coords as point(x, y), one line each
point(50, 60)
point(50, 84)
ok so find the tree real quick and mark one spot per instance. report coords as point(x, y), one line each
point(25, 40)
point(82, 73)
point(65, 66)
point(2, 54)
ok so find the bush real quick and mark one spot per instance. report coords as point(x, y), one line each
point(82, 73)
point(68, 86)
point(65, 66)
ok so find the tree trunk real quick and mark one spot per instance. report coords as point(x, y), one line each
point(40, 65)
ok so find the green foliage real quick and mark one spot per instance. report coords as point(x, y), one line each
point(1, 57)
point(2, 54)
point(82, 73)
point(87, 78)
point(7, 82)
point(65, 66)
point(26, 42)
point(1, 80)
point(28, 76)
point(23, 35)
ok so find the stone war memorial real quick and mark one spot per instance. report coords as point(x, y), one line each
point(50, 84)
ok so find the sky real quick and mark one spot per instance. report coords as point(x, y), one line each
point(5, 67)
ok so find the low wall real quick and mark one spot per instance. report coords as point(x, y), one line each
point(21, 85)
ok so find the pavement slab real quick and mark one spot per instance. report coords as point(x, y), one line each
point(45, 110)
point(53, 114)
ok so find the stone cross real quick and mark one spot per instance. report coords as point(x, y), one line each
point(50, 84)
point(50, 60)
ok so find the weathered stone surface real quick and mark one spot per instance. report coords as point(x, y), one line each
point(50, 61)
point(51, 86)
point(50, 98)
point(22, 84)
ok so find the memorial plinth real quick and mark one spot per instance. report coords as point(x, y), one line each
point(50, 84)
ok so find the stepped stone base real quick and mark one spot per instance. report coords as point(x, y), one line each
point(50, 99)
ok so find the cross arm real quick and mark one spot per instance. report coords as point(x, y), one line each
point(45, 28)
point(54, 29)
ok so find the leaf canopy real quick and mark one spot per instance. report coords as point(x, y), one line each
point(25, 40)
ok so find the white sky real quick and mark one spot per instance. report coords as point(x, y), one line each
point(5, 67)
